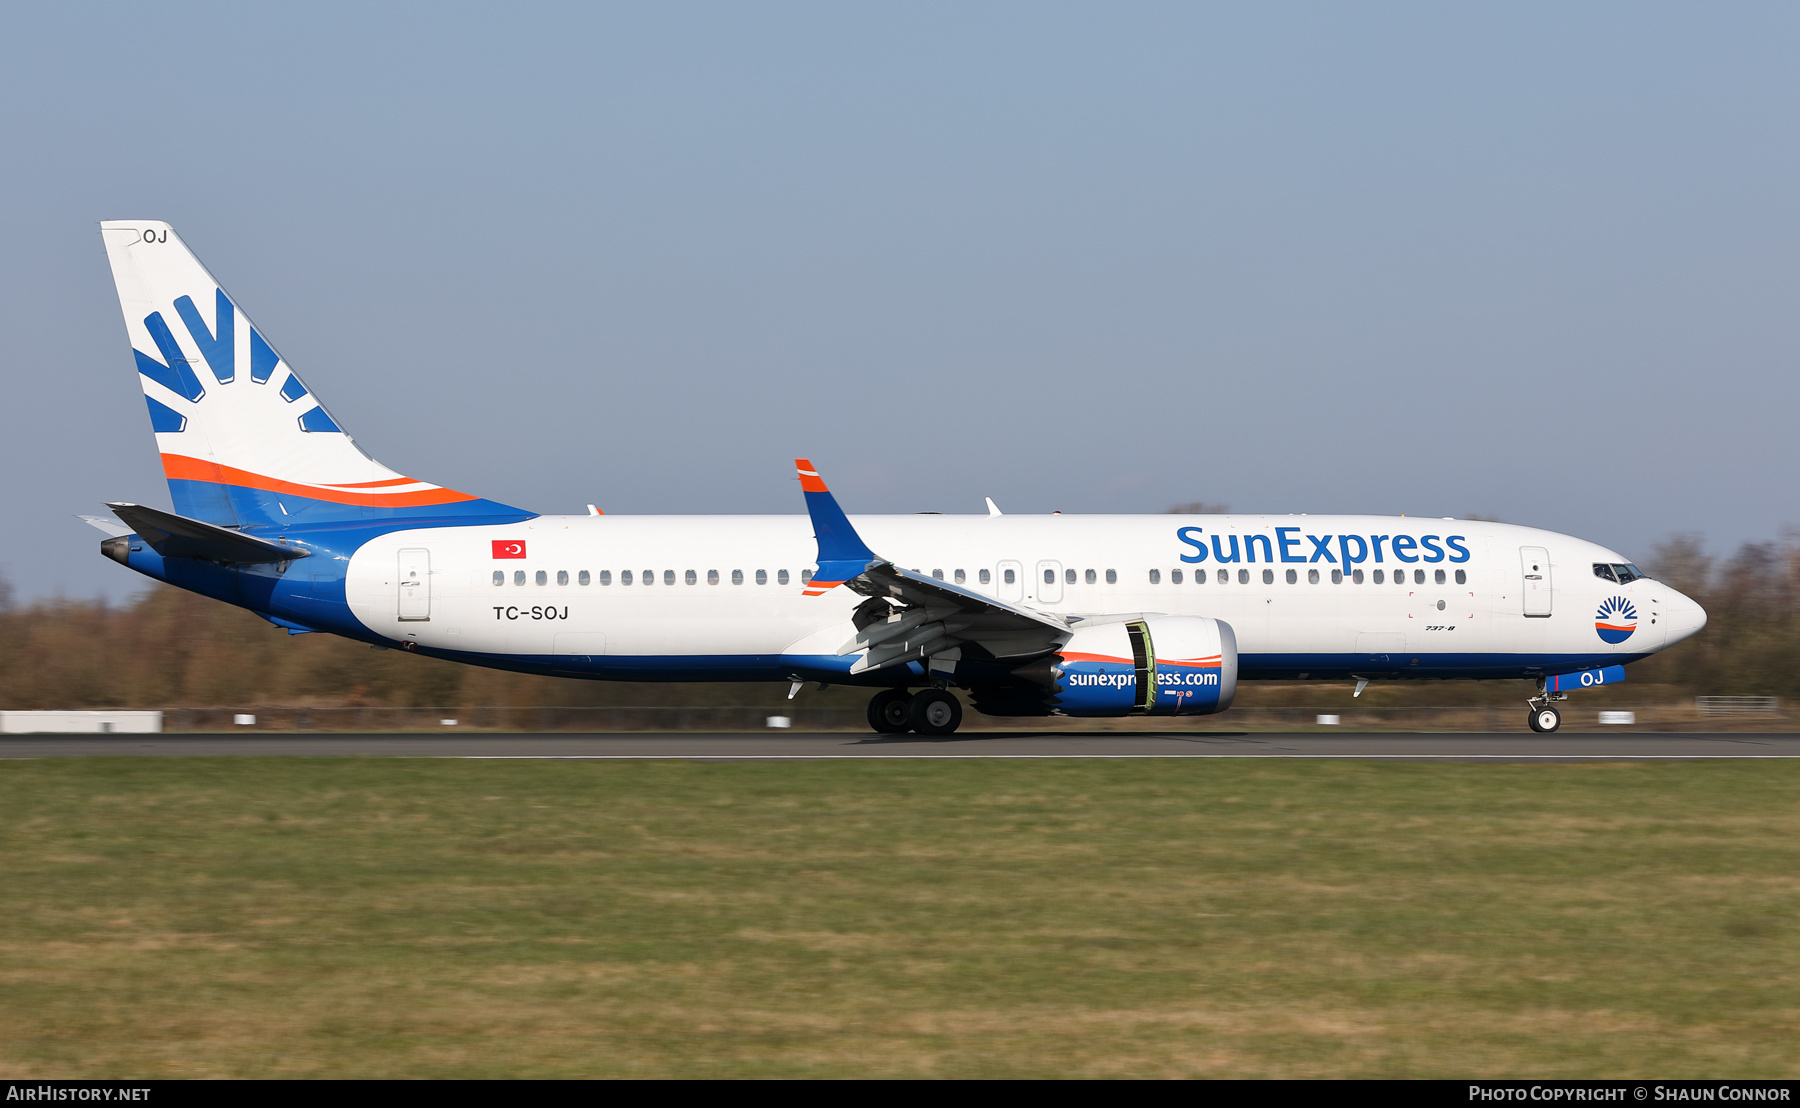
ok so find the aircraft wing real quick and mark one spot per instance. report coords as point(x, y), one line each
point(925, 618)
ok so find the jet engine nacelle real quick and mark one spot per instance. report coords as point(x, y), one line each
point(1159, 665)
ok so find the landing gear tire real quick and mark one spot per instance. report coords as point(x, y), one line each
point(934, 712)
point(888, 712)
point(1545, 720)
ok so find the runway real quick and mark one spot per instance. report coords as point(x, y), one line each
point(776, 746)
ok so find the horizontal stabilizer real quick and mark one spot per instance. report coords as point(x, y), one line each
point(111, 527)
point(175, 536)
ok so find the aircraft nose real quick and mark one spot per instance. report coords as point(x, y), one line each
point(1682, 618)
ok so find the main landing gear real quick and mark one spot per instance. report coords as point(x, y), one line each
point(927, 712)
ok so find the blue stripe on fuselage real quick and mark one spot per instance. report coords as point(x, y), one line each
point(835, 670)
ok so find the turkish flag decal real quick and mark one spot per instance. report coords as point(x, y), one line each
point(509, 548)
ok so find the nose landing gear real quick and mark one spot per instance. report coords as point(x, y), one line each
point(927, 712)
point(1545, 719)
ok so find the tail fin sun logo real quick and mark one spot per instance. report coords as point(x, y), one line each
point(1616, 619)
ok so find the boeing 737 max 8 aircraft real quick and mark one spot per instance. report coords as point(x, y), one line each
point(279, 511)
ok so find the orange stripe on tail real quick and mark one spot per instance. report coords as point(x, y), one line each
point(178, 467)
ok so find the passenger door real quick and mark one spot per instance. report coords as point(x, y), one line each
point(415, 585)
point(1534, 564)
point(1049, 583)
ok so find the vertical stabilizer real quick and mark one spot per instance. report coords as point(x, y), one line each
point(244, 442)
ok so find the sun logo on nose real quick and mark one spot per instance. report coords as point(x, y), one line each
point(1616, 619)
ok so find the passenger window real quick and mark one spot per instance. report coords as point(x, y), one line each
point(805, 576)
point(499, 577)
point(562, 576)
point(1312, 576)
point(762, 576)
point(1438, 577)
point(649, 577)
point(1605, 572)
point(690, 577)
point(1068, 577)
point(1461, 577)
point(543, 578)
point(938, 573)
point(1156, 577)
point(1049, 577)
point(582, 578)
point(781, 577)
point(1091, 576)
point(1291, 578)
point(1337, 576)
point(985, 577)
point(1268, 577)
point(669, 577)
point(1380, 578)
point(1418, 577)
point(737, 576)
point(518, 577)
point(1112, 576)
point(1399, 577)
point(712, 576)
point(961, 577)
point(1009, 577)
point(624, 577)
point(1243, 576)
point(1174, 577)
point(606, 577)
point(1356, 576)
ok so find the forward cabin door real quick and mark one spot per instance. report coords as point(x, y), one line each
point(415, 584)
point(1534, 563)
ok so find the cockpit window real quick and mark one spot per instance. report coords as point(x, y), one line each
point(1604, 572)
point(1627, 573)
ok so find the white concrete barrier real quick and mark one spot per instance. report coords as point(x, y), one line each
point(1328, 721)
point(81, 723)
point(1618, 717)
point(780, 721)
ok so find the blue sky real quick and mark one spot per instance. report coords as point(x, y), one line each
point(1537, 262)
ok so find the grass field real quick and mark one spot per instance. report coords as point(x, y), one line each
point(351, 917)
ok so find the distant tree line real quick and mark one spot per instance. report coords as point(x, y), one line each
point(170, 648)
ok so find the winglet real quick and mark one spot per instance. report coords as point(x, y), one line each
point(842, 553)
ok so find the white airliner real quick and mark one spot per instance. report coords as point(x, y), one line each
point(277, 510)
